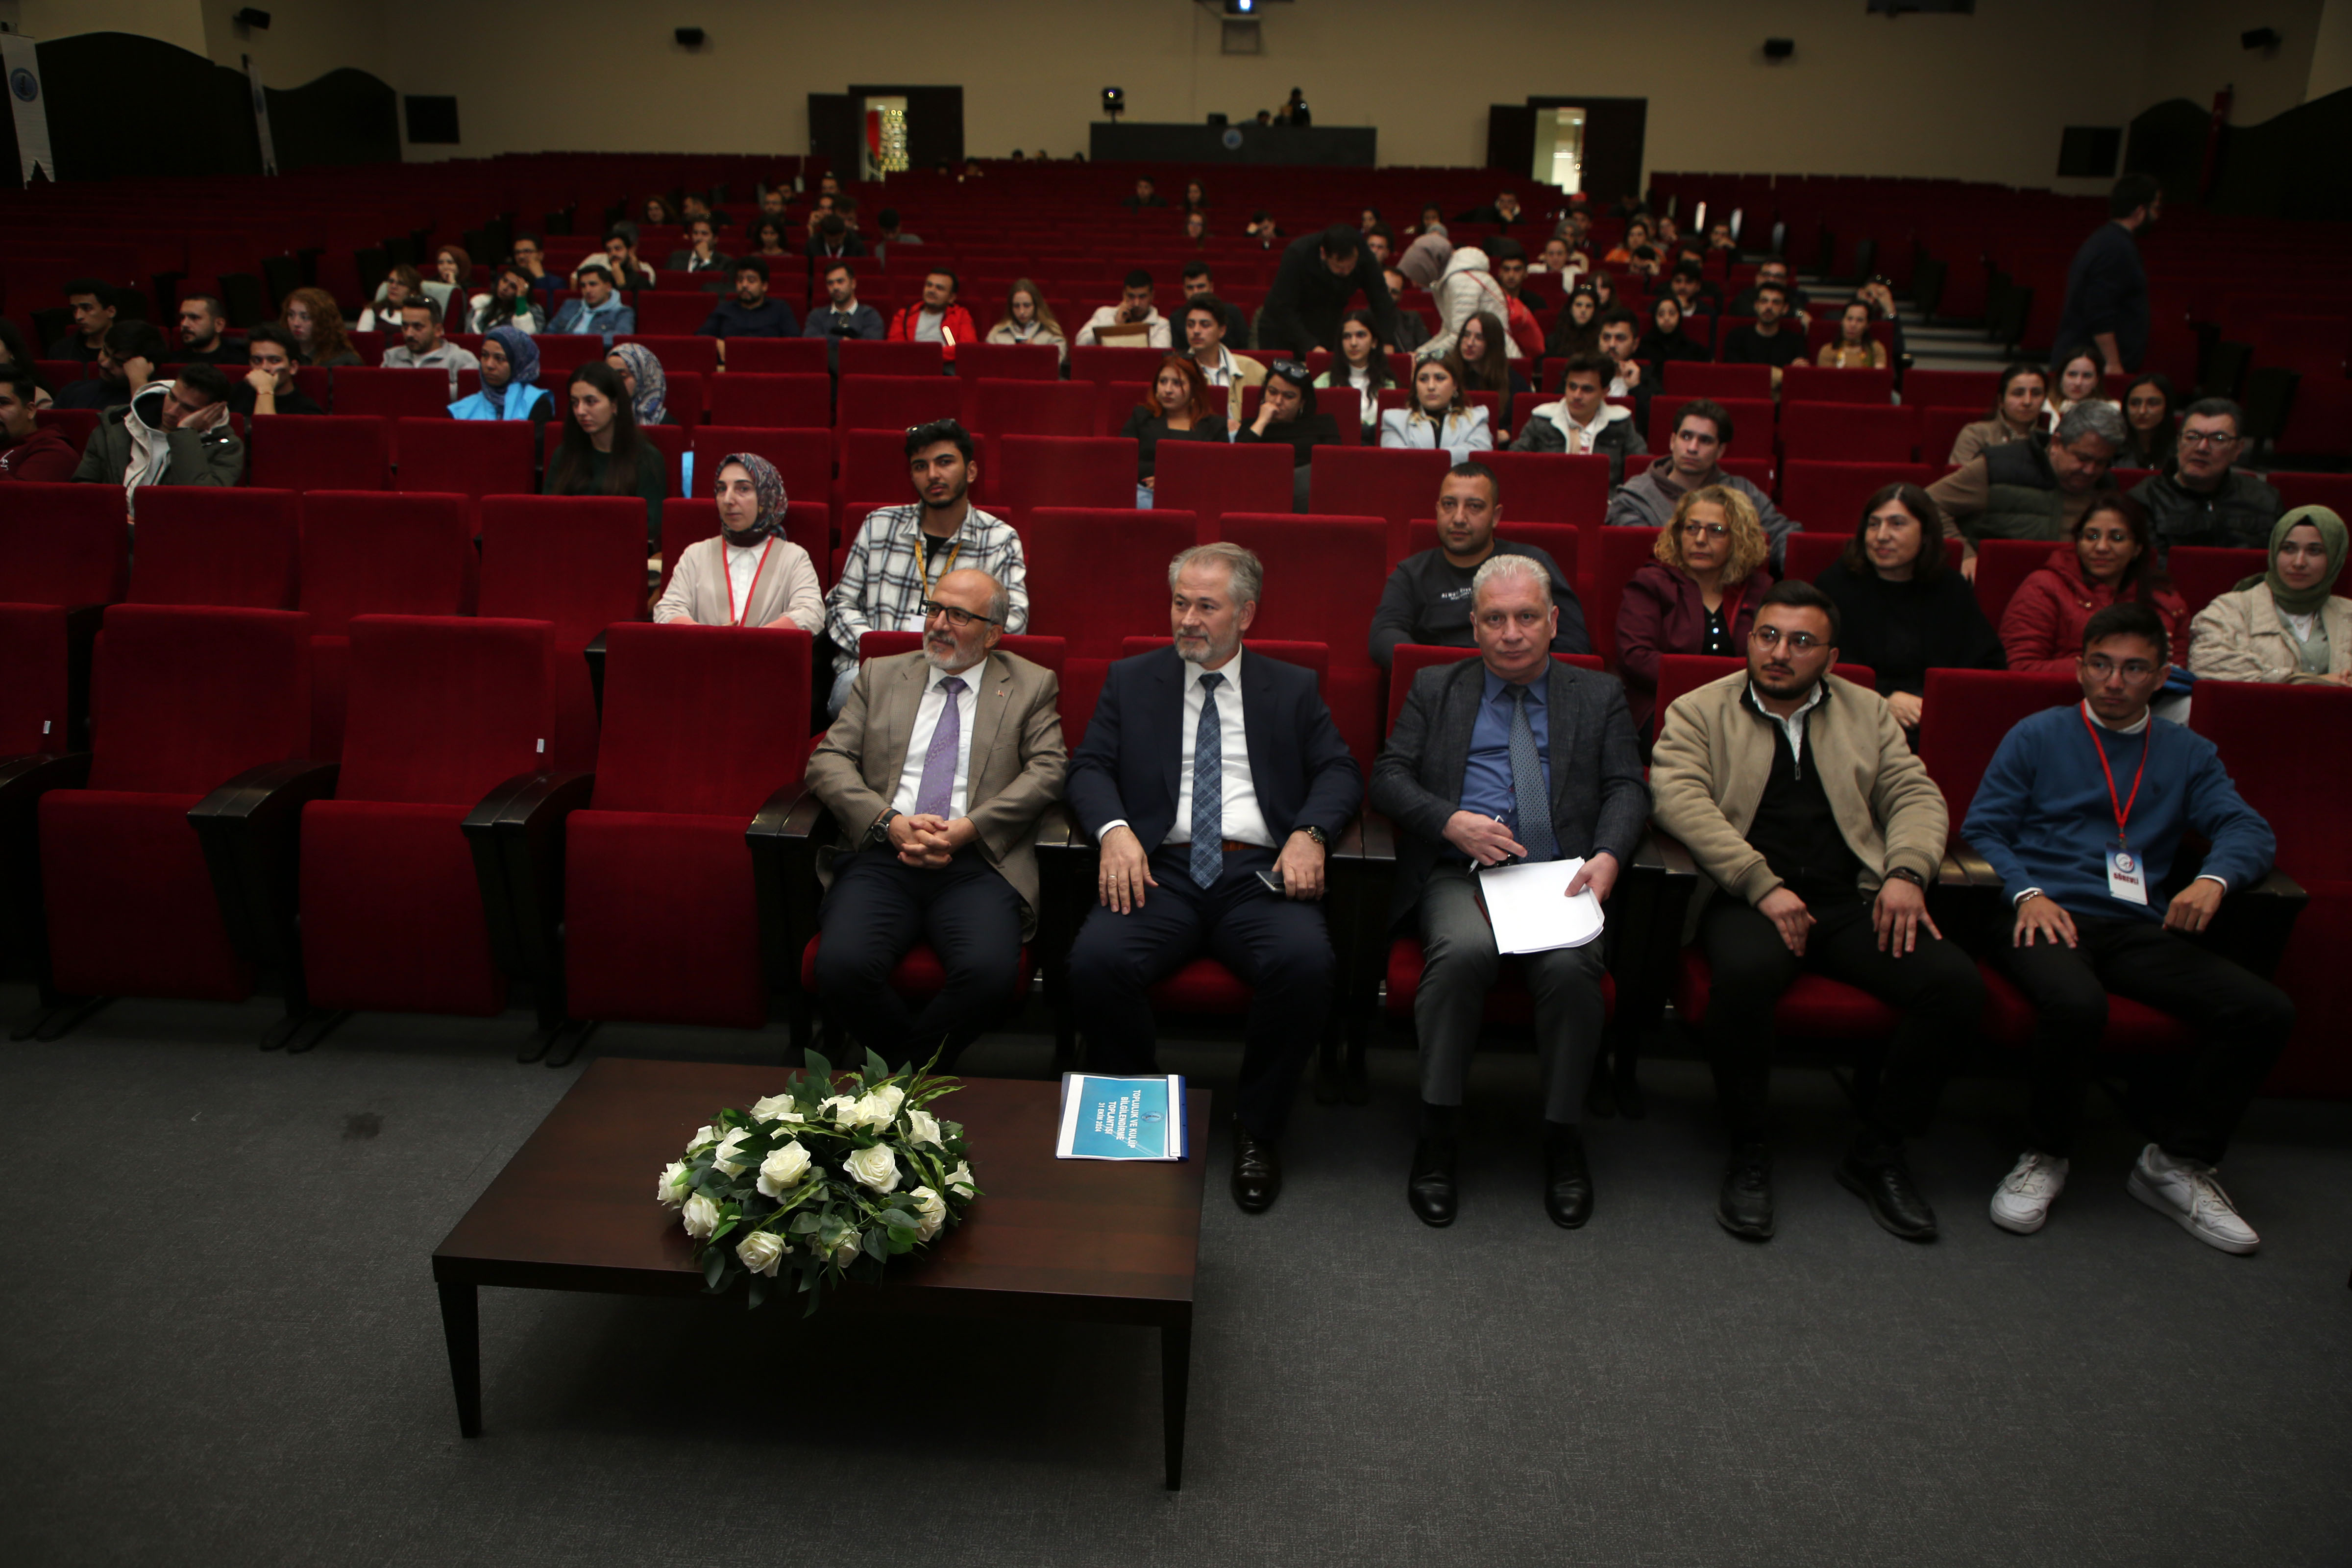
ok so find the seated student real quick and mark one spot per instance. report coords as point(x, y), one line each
point(203, 334)
point(1769, 339)
point(1028, 318)
point(1853, 348)
point(93, 307)
point(1637, 235)
point(1665, 341)
point(2032, 489)
point(842, 316)
point(1466, 288)
point(454, 267)
point(699, 260)
point(830, 237)
point(1439, 417)
point(601, 452)
point(169, 433)
point(618, 258)
point(2151, 419)
point(421, 346)
point(2206, 499)
point(767, 240)
point(1509, 258)
point(1133, 323)
point(1360, 364)
point(1691, 290)
point(936, 770)
point(597, 309)
point(16, 350)
point(750, 312)
point(1427, 597)
point(658, 212)
point(937, 319)
point(528, 255)
point(887, 232)
point(643, 379)
point(1577, 330)
point(1694, 459)
point(1147, 195)
point(1196, 229)
point(2287, 623)
point(1181, 407)
point(1479, 363)
point(510, 388)
point(2108, 562)
point(1199, 280)
point(1773, 272)
point(2081, 815)
point(401, 285)
point(1698, 596)
point(1629, 375)
point(507, 304)
point(1584, 423)
point(315, 322)
point(1286, 414)
point(1899, 611)
point(267, 385)
point(900, 552)
point(1202, 323)
point(30, 452)
point(2076, 380)
point(2016, 413)
point(1818, 832)
point(1512, 755)
point(748, 573)
point(126, 362)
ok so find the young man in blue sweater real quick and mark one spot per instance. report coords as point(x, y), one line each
point(2081, 813)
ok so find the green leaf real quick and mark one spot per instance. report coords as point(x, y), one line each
point(877, 1069)
point(877, 1244)
point(720, 1235)
point(899, 1219)
point(818, 1068)
point(714, 1268)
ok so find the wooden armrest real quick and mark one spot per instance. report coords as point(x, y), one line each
point(491, 878)
point(1662, 852)
point(1059, 831)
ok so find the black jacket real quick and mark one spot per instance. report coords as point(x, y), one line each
point(1304, 307)
point(1903, 630)
point(1427, 600)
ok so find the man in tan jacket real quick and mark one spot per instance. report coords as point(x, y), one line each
point(1818, 832)
point(938, 769)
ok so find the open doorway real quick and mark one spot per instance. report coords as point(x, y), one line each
point(1559, 149)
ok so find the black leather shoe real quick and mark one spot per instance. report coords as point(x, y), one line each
point(1744, 1207)
point(1257, 1173)
point(1630, 1100)
point(1430, 1188)
point(1895, 1201)
point(1568, 1186)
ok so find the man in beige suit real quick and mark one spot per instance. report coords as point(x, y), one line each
point(938, 769)
point(748, 573)
point(1204, 321)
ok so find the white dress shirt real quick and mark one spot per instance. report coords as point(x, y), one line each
point(1245, 823)
point(743, 572)
point(934, 702)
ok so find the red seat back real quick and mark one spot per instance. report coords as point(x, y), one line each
point(674, 740)
point(1849, 432)
point(803, 459)
point(467, 456)
point(776, 357)
point(305, 452)
point(1321, 573)
point(64, 544)
point(1828, 496)
point(1611, 556)
point(864, 358)
point(1025, 471)
point(2001, 566)
point(1964, 715)
point(1029, 407)
point(364, 553)
point(1395, 484)
point(2331, 491)
point(1008, 362)
point(1811, 383)
point(390, 394)
point(1104, 366)
point(1209, 478)
point(1939, 431)
point(186, 698)
point(2274, 740)
point(1974, 390)
point(2201, 574)
point(575, 561)
point(777, 402)
point(33, 698)
point(1544, 487)
point(895, 403)
point(1697, 378)
point(201, 544)
point(678, 355)
point(440, 708)
point(1098, 577)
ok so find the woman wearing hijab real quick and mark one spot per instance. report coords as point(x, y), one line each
point(2287, 624)
point(748, 573)
point(641, 373)
point(510, 388)
point(1665, 339)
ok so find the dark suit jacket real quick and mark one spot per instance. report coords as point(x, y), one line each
point(1599, 801)
point(1127, 765)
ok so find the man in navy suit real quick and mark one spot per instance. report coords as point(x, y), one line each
point(1204, 772)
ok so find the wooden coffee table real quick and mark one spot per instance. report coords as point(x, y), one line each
point(1072, 1239)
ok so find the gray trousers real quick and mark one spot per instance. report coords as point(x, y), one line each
point(1461, 964)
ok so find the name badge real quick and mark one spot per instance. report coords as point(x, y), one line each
point(2126, 876)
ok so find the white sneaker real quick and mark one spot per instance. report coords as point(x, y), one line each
point(2022, 1203)
point(2187, 1191)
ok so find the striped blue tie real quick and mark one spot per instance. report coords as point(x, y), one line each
point(1535, 833)
point(1209, 788)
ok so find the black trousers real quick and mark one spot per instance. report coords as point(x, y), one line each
point(878, 908)
point(1279, 947)
point(1935, 985)
point(2243, 1021)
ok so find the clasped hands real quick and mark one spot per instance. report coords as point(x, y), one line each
point(928, 841)
point(1488, 843)
point(1126, 870)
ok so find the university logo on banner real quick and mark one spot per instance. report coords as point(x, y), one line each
point(20, 60)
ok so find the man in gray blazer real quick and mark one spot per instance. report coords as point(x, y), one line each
point(1511, 757)
point(938, 769)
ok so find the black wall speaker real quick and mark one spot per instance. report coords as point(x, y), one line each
point(690, 37)
point(1779, 48)
point(2259, 38)
point(250, 17)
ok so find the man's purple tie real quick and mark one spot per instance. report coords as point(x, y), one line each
point(936, 793)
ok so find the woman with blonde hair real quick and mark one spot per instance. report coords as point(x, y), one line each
point(315, 322)
point(1853, 348)
point(1698, 593)
point(1027, 319)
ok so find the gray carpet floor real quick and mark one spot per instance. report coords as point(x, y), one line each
point(219, 1344)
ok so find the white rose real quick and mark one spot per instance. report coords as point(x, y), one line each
point(845, 1250)
point(922, 1127)
point(784, 1170)
point(875, 1111)
point(959, 1180)
point(701, 1216)
point(931, 1211)
point(761, 1252)
point(723, 1158)
point(775, 1108)
point(674, 1184)
point(877, 1168)
point(702, 1135)
point(841, 1109)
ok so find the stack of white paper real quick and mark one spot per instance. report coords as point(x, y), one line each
point(1528, 907)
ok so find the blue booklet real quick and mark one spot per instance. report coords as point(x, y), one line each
point(1121, 1118)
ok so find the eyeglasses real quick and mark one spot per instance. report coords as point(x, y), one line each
point(2207, 439)
point(1704, 531)
point(956, 617)
point(1772, 636)
point(2130, 669)
point(1289, 368)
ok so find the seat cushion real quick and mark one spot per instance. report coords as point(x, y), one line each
point(660, 920)
point(1812, 1004)
point(392, 911)
point(1204, 986)
point(919, 974)
point(130, 904)
point(2131, 1026)
point(1509, 1003)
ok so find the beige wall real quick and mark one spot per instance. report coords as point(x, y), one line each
point(2331, 55)
point(1982, 96)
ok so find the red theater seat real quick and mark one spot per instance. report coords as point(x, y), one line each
point(390, 394)
point(577, 563)
point(895, 403)
point(474, 458)
point(319, 452)
point(1209, 478)
point(1611, 556)
point(368, 554)
point(777, 356)
point(2202, 574)
point(2001, 566)
point(64, 544)
point(33, 699)
point(200, 545)
point(1544, 487)
point(679, 353)
point(1321, 574)
point(861, 358)
point(1828, 496)
point(1008, 362)
point(1848, 432)
point(1099, 577)
point(1029, 407)
point(775, 402)
point(1395, 484)
point(1023, 472)
point(1802, 383)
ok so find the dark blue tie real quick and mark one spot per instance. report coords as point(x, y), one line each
point(1528, 783)
point(1209, 788)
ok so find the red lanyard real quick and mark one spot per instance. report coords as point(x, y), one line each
point(732, 618)
point(2122, 809)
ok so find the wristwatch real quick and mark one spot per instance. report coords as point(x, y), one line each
point(1909, 876)
point(878, 836)
point(1317, 835)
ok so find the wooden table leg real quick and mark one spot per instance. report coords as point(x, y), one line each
point(461, 1323)
point(1175, 1372)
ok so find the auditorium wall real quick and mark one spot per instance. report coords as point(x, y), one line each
point(1980, 97)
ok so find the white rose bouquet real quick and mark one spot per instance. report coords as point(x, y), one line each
point(821, 1181)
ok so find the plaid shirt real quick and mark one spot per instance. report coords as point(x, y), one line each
point(881, 586)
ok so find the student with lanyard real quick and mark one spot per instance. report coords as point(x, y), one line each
point(748, 573)
point(2082, 814)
